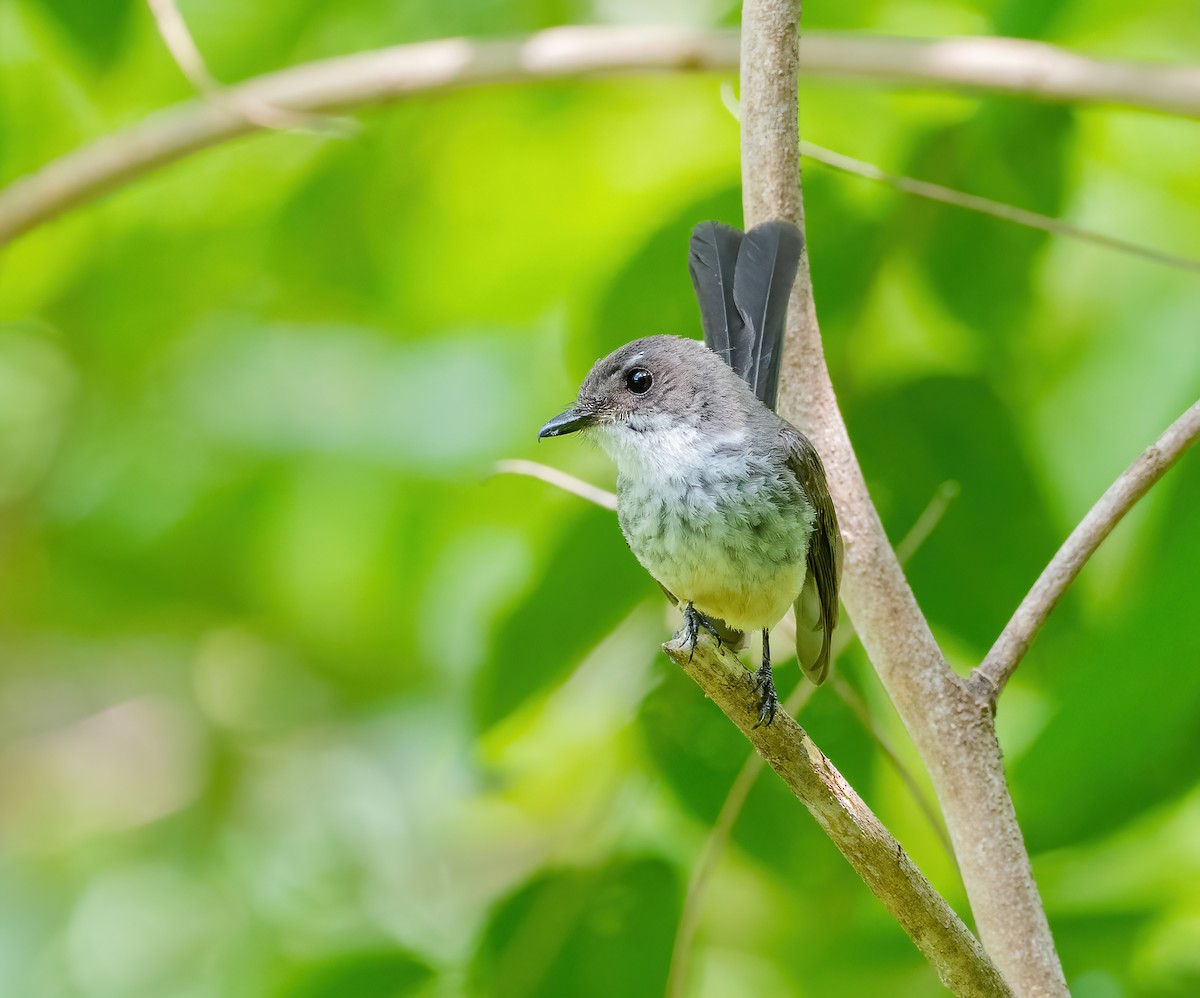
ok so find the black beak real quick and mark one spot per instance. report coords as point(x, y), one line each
point(566, 422)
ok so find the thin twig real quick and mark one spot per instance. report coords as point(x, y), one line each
point(1000, 65)
point(178, 39)
point(925, 524)
point(859, 709)
point(1012, 66)
point(559, 479)
point(1014, 641)
point(997, 209)
point(186, 53)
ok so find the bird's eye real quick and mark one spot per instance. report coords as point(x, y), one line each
point(639, 381)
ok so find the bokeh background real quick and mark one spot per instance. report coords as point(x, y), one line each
point(297, 698)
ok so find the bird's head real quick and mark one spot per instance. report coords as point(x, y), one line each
point(649, 390)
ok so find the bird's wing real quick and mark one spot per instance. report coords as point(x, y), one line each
point(817, 605)
point(712, 256)
point(762, 283)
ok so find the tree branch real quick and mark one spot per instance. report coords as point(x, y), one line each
point(952, 731)
point(1009, 66)
point(179, 42)
point(559, 479)
point(997, 209)
point(714, 847)
point(1000, 65)
point(878, 858)
point(1014, 641)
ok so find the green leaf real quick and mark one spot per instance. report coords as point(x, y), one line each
point(1128, 693)
point(652, 292)
point(996, 536)
point(982, 268)
point(591, 583)
point(846, 250)
point(1030, 18)
point(587, 933)
point(97, 28)
point(387, 973)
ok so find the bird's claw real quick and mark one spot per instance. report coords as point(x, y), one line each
point(768, 700)
point(693, 620)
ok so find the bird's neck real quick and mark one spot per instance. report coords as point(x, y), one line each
point(657, 452)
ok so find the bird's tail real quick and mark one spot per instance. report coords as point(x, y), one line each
point(743, 281)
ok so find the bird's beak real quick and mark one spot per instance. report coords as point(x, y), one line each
point(566, 422)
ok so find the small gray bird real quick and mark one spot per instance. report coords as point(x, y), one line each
point(723, 502)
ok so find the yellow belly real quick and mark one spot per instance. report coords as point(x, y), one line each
point(747, 607)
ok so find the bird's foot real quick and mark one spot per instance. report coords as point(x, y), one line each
point(768, 700)
point(693, 621)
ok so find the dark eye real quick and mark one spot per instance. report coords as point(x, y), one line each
point(639, 381)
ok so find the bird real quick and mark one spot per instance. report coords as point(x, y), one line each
point(724, 502)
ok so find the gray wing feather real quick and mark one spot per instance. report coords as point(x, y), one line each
point(817, 605)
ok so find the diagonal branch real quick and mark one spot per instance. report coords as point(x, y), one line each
point(178, 39)
point(858, 707)
point(559, 479)
point(997, 209)
point(1014, 641)
point(714, 848)
point(878, 858)
point(280, 99)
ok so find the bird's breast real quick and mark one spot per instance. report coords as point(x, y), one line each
point(728, 532)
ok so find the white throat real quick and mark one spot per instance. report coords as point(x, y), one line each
point(657, 447)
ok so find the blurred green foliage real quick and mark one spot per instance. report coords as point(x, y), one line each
point(297, 699)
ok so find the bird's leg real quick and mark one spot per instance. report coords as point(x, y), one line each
point(693, 620)
point(764, 685)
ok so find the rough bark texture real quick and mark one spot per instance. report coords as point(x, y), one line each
point(877, 857)
point(952, 728)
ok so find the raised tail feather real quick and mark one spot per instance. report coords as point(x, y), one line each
point(712, 257)
point(742, 283)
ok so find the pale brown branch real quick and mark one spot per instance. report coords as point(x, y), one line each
point(559, 479)
point(359, 80)
point(952, 731)
point(876, 856)
point(714, 848)
point(997, 209)
point(1014, 641)
point(1002, 65)
point(1011, 66)
point(178, 39)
